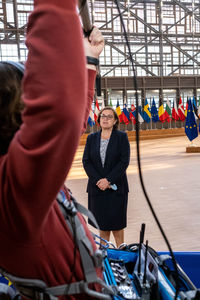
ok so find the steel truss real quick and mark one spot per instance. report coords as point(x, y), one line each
point(164, 35)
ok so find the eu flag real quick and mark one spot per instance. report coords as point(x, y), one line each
point(154, 112)
point(190, 123)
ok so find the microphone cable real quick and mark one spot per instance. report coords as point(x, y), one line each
point(135, 84)
point(82, 4)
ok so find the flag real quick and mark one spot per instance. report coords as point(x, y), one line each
point(175, 115)
point(146, 112)
point(118, 111)
point(195, 108)
point(91, 121)
point(161, 113)
point(186, 108)
point(181, 111)
point(154, 112)
point(199, 108)
point(190, 124)
point(140, 114)
point(168, 111)
point(132, 115)
point(110, 104)
point(96, 110)
point(125, 115)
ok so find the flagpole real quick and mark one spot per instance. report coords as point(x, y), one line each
point(170, 117)
point(151, 116)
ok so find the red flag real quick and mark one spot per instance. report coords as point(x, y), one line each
point(125, 115)
point(161, 113)
point(132, 114)
point(168, 112)
point(96, 111)
point(181, 111)
point(175, 115)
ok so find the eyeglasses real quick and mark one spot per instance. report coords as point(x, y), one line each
point(109, 117)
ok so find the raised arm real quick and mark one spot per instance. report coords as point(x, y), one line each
point(55, 95)
point(93, 46)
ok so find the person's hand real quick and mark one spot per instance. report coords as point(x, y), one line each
point(103, 184)
point(94, 44)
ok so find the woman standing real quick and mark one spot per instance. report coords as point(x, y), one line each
point(105, 160)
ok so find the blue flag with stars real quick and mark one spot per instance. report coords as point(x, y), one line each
point(154, 112)
point(190, 123)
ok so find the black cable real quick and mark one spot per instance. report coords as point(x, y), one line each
point(82, 6)
point(138, 154)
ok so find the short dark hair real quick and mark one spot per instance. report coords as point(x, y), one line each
point(11, 104)
point(115, 126)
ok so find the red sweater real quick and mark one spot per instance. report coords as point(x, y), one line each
point(35, 241)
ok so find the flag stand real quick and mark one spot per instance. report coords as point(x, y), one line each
point(192, 148)
point(191, 129)
point(192, 144)
point(147, 126)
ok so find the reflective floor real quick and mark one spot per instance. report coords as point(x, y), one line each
point(171, 178)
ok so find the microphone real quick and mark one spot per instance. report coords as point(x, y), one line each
point(87, 29)
point(85, 16)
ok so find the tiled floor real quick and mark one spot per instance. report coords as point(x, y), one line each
point(171, 178)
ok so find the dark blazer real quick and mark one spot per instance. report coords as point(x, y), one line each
point(116, 161)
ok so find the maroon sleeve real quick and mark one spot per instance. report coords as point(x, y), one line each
point(91, 82)
point(55, 96)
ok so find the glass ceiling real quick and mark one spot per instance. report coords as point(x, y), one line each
point(164, 35)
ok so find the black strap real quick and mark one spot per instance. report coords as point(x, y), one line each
point(68, 208)
point(98, 84)
point(92, 60)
